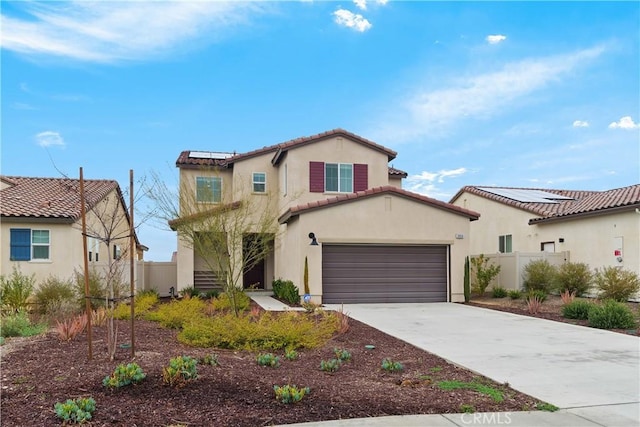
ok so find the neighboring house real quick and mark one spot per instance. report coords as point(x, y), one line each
point(41, 230)
point(600, 228)
point(372, 241)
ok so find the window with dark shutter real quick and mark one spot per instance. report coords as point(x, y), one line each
point(360, 177)
point(316, 177)
point(20, 244)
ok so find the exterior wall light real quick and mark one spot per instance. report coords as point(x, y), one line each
point(314, 242)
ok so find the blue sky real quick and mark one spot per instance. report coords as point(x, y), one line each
point(539, 94)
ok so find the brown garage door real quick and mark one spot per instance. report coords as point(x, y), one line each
point(369, 273)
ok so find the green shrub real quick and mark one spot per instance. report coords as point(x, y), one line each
point(577, 309)
point(270, 332)
point(330, 365)
point(124, 375)
point(177, 313)
point(540, 294)
point(211, 293)
point(342, 354)
point(495, 394)
point(543, 406)
point(498, 292)
point(54, 294)
point(181, 370)
point(189, 292)
point(76, 411)
point(574, 277)
point(268, 359)
point(16, 289)
point(611, 315)
point(210, 359)
point(290, 393)
point(484, 273)
point(144, 302)
point(539, 275)
point(286, 291)
point(516, 294)
point(222, 302)
point(97, 289)
point(467, 280)
point(19, 325)
point(616, 283)
point(391, 366)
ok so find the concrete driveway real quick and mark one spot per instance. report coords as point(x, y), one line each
point(566, 365)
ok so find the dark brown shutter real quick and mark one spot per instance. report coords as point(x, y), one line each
point(316, 177)
point(360, 177)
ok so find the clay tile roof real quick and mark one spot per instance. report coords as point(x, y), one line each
point(397, 172)
point(582, 202)
point(388, 189)
point(54, 198)
point(280, 149)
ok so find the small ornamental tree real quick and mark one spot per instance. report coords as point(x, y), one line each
point(484, 273)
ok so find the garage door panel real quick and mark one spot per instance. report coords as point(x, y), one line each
point(368, 273)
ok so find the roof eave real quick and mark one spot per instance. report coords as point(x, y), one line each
point(598, 212)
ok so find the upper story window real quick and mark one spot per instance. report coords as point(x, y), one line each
point(504, 243)
point(338, 177)
point(208, 189)
point(26, 244)
point(259, 182)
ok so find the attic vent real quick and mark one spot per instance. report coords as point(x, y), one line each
point(209, 155)
point(526, 195)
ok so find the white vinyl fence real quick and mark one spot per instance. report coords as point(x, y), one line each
point(512, 265)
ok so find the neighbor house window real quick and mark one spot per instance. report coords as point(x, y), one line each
point(26, 244)
point(338, 177)
point(208, 189)
point(259, 182)
point(504, 243)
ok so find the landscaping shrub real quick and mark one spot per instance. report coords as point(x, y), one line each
point(124, 375)
point(574, 277)
point(178, 312)
point(391, 366)
point(495, 394)
point(515, 294)
point(538, 293)
point(144, 302)
point(498, 292)
point(467, 280)
point(270, 332)
point(210, 359)
point(330, 365)
point(484, 273)
point(291, 354)
point(611, 315)
point(189, 292)
point(577, 309)
point(56, 297)
point(19, 325)
point(68, 329)
point(181, 370)
point(539, 275)
point(286, 291)
point(16, 290)
point(75, 411)
point(616, 283)
point(97, 289)
point(268, 359)
point(567, 296)
point(290, 393)
point(222, 302)
point(342, 354)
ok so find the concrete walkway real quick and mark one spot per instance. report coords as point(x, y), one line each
point(592, 375)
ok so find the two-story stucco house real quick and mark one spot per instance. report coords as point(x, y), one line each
point(41, 229)
point(599, 228)
point(340, 205)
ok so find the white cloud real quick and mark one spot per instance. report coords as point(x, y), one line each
point(427, 182)
point(351, 20)
point(49, 138)
point(434, 112)
point(580, 124)
point(118, 31)
point(361, 4)
point(625, 122)
point(382, 2)
point(495, 38)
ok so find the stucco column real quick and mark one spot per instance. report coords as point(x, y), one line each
point(314, 258)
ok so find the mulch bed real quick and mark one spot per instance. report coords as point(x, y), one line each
point(39, 371)
point(551, 310)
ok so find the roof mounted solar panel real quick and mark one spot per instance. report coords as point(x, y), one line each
point(526, 195)
point(209, 155)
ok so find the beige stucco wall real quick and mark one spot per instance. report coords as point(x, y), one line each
point(384, 219)
point(65, 240)
point(588, 239)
